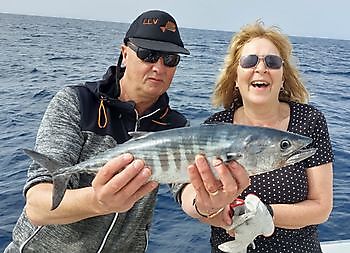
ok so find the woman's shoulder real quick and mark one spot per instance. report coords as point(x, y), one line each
point(307, 118)
point(305, 110)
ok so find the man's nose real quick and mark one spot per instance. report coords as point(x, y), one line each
point(159, 64)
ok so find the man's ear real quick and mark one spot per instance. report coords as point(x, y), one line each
point(124, 52)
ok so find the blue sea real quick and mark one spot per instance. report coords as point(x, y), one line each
point(40, 55)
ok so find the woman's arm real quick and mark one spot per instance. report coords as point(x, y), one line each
point(318, 206)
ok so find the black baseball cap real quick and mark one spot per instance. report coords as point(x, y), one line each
point(156, 30)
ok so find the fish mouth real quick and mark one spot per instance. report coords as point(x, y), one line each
point(300, 155)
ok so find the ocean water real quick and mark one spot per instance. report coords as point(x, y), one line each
point(40, 55)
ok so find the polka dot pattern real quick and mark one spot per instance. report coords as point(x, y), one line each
point(287, 185)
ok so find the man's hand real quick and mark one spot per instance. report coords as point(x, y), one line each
point(120, 183)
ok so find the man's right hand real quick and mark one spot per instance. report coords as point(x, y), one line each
point(120, 183)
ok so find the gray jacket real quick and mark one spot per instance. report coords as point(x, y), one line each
point(64, 136)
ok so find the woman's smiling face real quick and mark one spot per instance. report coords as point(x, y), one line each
point(259, 84)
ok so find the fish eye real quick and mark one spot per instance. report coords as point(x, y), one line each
point(285, 144)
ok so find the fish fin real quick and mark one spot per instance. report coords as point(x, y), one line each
point(60, 182)
point(233, 156)
point(138, 134)
point(59, 189)
point(50, 164)
point(249, 139)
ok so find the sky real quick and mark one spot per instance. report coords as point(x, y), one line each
point(307, 18)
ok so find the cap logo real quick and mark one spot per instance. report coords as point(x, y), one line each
point(169, 26)
point(150, 21)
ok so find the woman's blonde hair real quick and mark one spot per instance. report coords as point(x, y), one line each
point(225, 93)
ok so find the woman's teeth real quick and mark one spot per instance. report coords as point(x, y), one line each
point(259, 84)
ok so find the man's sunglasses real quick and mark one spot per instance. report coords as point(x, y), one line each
point(152, 56)
point(252, 60)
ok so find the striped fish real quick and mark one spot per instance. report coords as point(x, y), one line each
point(169, 152)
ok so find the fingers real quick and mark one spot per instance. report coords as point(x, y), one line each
point(216, 185)
point(230, 178)
point(111, 168)
point(210, 182)
point(195, 178)
point(134, 171)
point(231, 232)
point(197, 182)
point(138, 186)
point(202, 179)
point(227, 218)
point(121, 182)
point(143, 190)
point(241, 176)
point(229, 183)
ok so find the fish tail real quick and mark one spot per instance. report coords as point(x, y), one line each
point(50, 164)
point(59, 189)
point(60, 182)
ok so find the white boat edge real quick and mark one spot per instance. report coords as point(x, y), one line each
point(341, 246)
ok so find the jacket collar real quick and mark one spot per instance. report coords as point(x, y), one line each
point(108, 90)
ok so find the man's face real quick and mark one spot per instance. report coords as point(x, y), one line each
point(144, 80)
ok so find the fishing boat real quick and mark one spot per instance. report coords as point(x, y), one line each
point(342, 246)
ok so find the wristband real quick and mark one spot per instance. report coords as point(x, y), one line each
point(208, 216)
point(269, 208)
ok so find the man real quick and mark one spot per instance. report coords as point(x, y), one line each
point(112, 211)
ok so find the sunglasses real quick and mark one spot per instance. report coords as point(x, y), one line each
point(252, 60)
point(152, 56)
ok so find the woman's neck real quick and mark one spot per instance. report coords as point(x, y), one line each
point(273, 116)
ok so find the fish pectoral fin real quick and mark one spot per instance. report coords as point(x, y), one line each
point(233, 156)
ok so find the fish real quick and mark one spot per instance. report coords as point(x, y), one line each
point(168, 153)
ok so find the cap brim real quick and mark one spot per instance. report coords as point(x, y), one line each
point(159, 46)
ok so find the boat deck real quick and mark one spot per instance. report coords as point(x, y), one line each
point(342, 246)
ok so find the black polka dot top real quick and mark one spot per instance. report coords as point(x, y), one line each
point(287, 185)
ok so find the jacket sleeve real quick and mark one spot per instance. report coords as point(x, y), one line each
point(59, 136)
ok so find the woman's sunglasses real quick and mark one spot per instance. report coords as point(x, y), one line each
point(252, 60)
point(152, 56)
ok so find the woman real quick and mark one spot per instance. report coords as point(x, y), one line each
point(259, 86)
